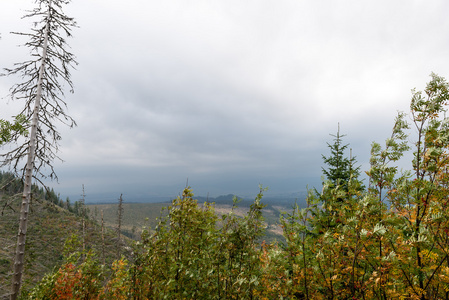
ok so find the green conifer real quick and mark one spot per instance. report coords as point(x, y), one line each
point(340, 167)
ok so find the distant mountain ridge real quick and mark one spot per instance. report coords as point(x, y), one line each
point(269, 200)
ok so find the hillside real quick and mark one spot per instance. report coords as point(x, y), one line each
point(48, 228)
point(52, 221)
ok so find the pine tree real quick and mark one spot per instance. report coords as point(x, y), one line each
point(340, 168)
point(340, 186)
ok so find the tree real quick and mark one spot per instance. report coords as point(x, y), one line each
point(42, 90)
point(119, 223)
point(341, 184)
point(8, 129)
point(423, 202)
point(83, 217)
point(194, 254)
point(340, 168)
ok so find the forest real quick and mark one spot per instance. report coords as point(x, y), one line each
point(385, 237)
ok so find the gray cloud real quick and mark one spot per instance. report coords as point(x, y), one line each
point(229, 93)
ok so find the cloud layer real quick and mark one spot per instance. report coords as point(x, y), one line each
point(232, 93)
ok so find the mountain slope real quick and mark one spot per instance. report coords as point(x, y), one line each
point(48, 228)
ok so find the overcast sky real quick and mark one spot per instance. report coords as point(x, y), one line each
point(230, 94)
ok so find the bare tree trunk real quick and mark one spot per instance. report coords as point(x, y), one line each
point(119, 223)
point(83, 216)
point(26, 196)
point(102, 238)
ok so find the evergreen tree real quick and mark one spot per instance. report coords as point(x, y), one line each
point(340, 187)
point(340, 168)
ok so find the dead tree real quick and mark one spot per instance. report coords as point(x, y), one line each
point(102, 239)
point(42, 90)
point(83, 218)
point(119, 223)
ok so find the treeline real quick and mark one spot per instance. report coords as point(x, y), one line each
point(386, 240)
point(12, 185)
